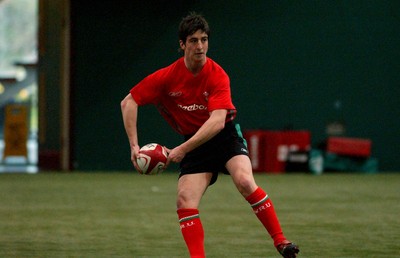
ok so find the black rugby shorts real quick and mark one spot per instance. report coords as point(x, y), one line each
point(214, 154)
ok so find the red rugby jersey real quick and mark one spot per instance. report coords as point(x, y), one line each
point(185, 100)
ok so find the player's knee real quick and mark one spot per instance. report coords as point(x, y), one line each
point(184, 199)
point(246, 185)
point(180, 203)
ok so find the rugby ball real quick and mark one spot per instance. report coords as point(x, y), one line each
point(152, 159)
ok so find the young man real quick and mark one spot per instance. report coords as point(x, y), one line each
point(193, 95)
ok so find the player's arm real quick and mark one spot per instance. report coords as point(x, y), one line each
point(214, 124)
point(129, 109)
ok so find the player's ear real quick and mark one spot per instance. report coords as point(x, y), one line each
point(182, 44)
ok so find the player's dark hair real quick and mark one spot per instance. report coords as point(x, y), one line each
point(192, 23)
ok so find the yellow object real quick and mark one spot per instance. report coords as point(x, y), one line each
point(16, 131)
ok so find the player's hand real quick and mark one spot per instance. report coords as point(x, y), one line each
point(134, 156)
point(175, 155)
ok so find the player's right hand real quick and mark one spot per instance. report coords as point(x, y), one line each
point(135, 154)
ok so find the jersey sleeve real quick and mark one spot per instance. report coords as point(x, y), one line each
point(148, 91)
point(220, 93)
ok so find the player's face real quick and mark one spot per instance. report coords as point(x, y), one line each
point(196, 47)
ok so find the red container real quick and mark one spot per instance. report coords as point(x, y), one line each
point(269, 150)
point(280, 143)
point(345, 146)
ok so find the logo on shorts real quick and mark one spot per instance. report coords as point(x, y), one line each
point(244, 150)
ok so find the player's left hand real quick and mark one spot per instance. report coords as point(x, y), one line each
point(175, 155)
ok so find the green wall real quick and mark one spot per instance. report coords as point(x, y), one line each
point(293, 64)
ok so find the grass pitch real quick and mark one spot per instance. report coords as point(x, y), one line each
point(129, 215)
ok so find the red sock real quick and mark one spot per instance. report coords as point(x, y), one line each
point(192, 231)
point(265, 212)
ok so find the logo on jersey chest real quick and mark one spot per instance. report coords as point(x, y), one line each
point(175, 94)
point(206, 94)
point(192, 107)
